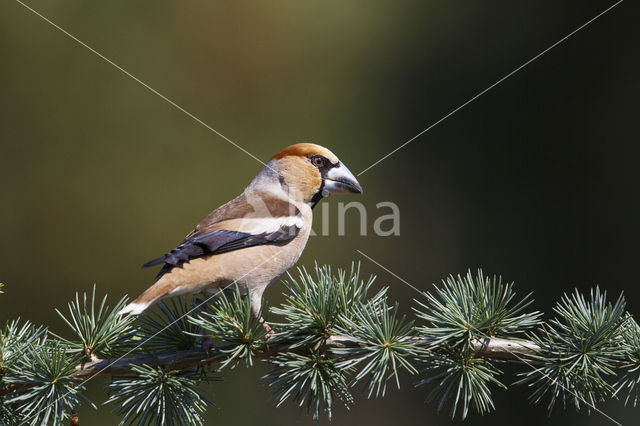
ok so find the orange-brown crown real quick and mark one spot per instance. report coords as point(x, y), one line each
point(306, 150)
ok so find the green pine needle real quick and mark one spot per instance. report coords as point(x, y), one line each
point(462, 379)
point(158, 397)
point(315, 305)
point(15, 340)
point(588, 344)
point(630, 381)
point(8, 415)
point(465, 307)
point(51, 393)
point(386, 345)
point(167, 328)
point(312, 380)
point(100, 333)
point(581, 348)
point(462, 309)
point(229, 318)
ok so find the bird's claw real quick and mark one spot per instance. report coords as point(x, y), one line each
point(268, 329)
point(206, 344)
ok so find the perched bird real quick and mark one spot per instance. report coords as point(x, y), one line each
point(258, 236)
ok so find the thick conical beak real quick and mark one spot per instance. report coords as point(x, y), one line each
point(340, 180)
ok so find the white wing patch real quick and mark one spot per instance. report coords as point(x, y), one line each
point(265, 225)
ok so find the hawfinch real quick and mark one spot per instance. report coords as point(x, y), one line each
point(258, 236)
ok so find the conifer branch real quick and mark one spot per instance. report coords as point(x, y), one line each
point(487, 348)
point(333, 333)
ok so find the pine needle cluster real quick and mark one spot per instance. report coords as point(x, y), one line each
point(334, 333)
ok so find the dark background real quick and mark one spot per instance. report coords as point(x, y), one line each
point(536, 180)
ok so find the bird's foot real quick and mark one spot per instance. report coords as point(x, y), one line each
point(268, 329)
point(204, 341)
point(206, 344)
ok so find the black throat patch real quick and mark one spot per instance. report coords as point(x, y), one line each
point(318, 195)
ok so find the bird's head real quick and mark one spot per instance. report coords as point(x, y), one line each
point(309, 172)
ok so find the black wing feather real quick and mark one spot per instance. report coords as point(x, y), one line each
point(197, 246)
point(216, 242)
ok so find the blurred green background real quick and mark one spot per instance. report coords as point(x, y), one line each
point(537, 180)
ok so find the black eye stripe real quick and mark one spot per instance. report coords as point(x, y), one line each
point(324, 167)
point(321, 162)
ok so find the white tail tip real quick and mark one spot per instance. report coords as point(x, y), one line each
point(134, 308)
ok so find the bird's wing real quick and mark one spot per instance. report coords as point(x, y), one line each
point(245, 221)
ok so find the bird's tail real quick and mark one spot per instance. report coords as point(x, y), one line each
point(153, 294)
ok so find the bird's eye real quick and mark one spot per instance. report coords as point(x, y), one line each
point(317, 160)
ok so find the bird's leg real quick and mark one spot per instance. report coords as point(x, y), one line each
point(269, 330)
point(256, 306)
point(204, 341)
